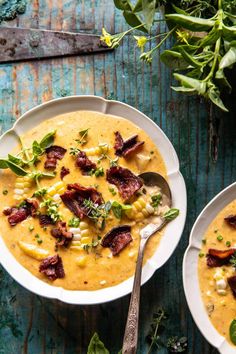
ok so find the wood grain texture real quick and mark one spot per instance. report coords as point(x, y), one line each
point(33, 325)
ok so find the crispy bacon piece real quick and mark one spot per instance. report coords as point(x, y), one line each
point(217, 258)
point(231, 220)
point(83, 162)
point(54, 153)
point(52, 267)
point(127, 147)
point(64, 172)
point(126, 182)
point(7, 211)
point(117, 239)
point(62, 235)
point(232, 284)
point(45, 220)
point(74, 198)
point(16, 215)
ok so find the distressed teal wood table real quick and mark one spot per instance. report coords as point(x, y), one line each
point(30, 324)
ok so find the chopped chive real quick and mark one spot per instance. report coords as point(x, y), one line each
point(31, 228)
point(39, 241)
point(5, 192)
point(204, 241)
point(151, 152)
point(220, 238)
point(37, 236)
point(201, 255)
point(112, 190)
point(228, 243)
point(215, 231)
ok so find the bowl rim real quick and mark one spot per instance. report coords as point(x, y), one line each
point(190, 271)
point(32, 118)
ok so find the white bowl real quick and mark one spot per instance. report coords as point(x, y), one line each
point(190, 270)
point(172, 233)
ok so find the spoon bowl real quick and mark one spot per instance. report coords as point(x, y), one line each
point(150, 179)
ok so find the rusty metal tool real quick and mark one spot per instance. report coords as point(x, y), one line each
point(17, 44)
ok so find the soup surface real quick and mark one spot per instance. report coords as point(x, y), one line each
point(216, 270)
point(88, 261)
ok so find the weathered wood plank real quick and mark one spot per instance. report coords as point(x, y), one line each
point(51, 327)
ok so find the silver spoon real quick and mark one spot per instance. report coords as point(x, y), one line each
point(131, 329)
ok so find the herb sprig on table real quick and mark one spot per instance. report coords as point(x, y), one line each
point(155, 338)
point(205, 41)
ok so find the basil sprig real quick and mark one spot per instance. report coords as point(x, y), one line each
point(19, 165)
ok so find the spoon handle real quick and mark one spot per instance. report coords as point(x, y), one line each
point(131, 329)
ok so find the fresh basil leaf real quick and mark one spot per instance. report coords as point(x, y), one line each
point(15, 160)
point(149, 9)
point(232, 331)
point(19, 171)
point(96, 346)
point(36, 149)
point(3, 164)
point(222, 80)
point(189, 82)
point(48, 140)
point(171, 214)
point(228, 59)
point(190, 22)
point(229, 32)
point(118, 209)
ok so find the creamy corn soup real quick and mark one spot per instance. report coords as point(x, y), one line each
point(38, 224)
point(216, 270)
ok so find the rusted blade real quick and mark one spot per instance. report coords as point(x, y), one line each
point(27, 44)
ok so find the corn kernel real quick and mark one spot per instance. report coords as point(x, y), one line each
point(85, 240)
point(81, 261)
point(19, 185)
point(85, 232)
point(83, 225)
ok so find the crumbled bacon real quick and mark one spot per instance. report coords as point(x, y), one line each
point(52, 267)
point(7, 211)
point(54, 153)
point(64, 172)
point(75, 196)
point(83, 162)
point(218, 258)
point(62, 235)
point(127, 147)
point(16, 215)
point(231, 220)
point(232, 284)
point(126, 182)
point(117, 239)
point(45, 220)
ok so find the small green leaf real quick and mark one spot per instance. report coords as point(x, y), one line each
point(184, 89)
point(190, 59)
point(19, 171)
point(171, 214)
point(123, 4)
point(48, 140)
point(232, 331)
point(36, 149)
point(228, 59)
point(15, 160)
point(191, 83)
point(134, 21)
point(149, 9)
point(138, 6)
point(96, 346)
point(190, 22)
point(173, 59)
point(214, 95)
point(229, 32)
point(118, 209)
point(3, 164)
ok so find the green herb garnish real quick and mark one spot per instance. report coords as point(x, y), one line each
point(233, 260)
point(201, 254)
point(177, 345)
point(74, 222)
point(98, 213)
point(228, 243)
point(171, 214)
point(31, 228)
point(156, 199)
point(112, 190)
point(40, 193)
point(51, 209)
point(5, 192)
point(91, 246)
point(119, 209)
point(232, 331)
point(220, 238)
point(83, 135)
point(96, 346)
point(204, 241)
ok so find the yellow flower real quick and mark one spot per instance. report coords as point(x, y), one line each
point(183, 36)
point(106, 37)
point(141, 41)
